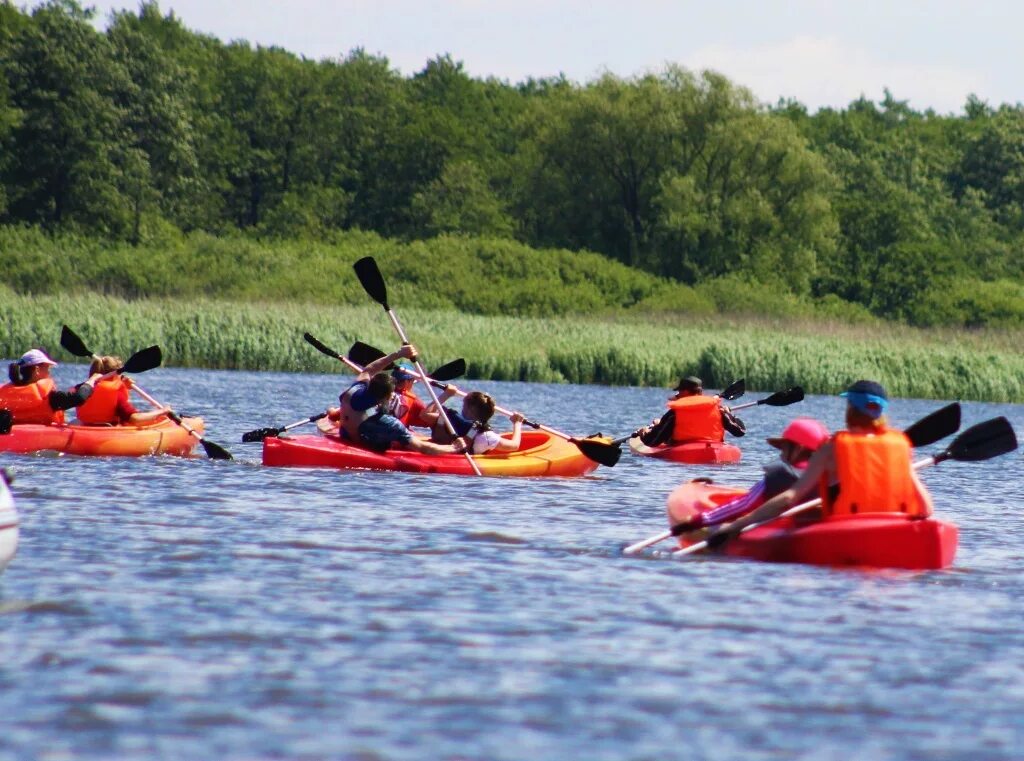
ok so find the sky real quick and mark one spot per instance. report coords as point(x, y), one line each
point(931, 53)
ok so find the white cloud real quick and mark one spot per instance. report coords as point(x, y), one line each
point(823, 71)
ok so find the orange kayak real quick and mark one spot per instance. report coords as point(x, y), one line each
point(691, 452)
point(156, 437)
point(541, 454)
point(872, 540)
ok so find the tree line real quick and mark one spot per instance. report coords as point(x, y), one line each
point(149, 129)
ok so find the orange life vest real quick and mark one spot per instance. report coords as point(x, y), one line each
point(30, 403)
point(874, 473)
point(697, 417)
point(101, 407)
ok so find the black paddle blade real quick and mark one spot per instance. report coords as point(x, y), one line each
point(141, 361)
point(363, 354)
point(735, 390)
point(259, 434)
point(6, 421)
point(72, 343)
point(784, 398)
point(935, 427)
point(215, 451)
point(372, 281)
point(321, 347)
point(983, 441)
point(599, 451)
point(454, 369)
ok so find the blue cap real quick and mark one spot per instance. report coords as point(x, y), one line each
point(867, 397)
point(403, 373)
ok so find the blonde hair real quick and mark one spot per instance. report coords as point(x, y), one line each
point(104, 365)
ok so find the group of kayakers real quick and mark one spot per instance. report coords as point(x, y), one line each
point(379, 409)
point(31, 396)
point(865, 468)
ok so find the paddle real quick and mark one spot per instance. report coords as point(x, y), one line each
point(599, 451)
point(778, 399)
point(71, 341)
point(453, 369)
point(373, 283)
point(733, 391)
point(448, 371)
point(261, 433)
point(983, 441)
point(933, 427)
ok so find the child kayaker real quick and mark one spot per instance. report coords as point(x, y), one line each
point(109, 403)
point(404, 404)
point(798, 442)
point(31, 396)
point(692, 416)
point(865, 469)
point(473, 422)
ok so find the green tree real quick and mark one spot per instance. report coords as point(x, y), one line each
point(460, 201)
point(71, 138)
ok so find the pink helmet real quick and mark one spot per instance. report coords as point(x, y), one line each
point(805, 432)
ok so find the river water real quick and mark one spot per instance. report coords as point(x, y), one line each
point(193, 609)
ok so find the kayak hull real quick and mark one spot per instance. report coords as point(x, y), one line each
point(8, 528)
point(540, 455)
point(871, 540)
point(156, 437)
point(692, 452)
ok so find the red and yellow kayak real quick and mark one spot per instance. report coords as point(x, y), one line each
point(156, 437)
point(541, 454)
point(691, 452)
point(873, 540)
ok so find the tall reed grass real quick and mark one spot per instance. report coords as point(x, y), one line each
point(634, 351)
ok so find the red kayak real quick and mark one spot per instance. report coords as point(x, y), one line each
point(692, 452)
point(875, 540)
point(541, 454)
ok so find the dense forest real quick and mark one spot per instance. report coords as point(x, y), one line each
point(149, 132)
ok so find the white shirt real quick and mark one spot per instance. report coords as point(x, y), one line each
point(485, 441)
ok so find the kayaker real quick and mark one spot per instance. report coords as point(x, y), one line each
point(363, 417)
point(404, 404)
point(473, 422)
point(798, 442)
point(31, 395)
point(109, 403)
point(865, 469)
point(692, 417)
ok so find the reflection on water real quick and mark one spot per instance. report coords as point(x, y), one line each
point(163, 608)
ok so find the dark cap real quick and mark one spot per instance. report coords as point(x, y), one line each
point(867, 387)
point(867, 397)
point(690, 383)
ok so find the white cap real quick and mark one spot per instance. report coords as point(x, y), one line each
point(35, 357)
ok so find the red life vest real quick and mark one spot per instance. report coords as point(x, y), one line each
point(30, 403)
point(697, 418)
point(101, 407)
point(875, 476)
point(406, 406)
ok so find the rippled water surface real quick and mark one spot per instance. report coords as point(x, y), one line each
point(192, 609)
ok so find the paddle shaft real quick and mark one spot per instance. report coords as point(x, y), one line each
point(172, 415)
point(698, 546)
point(430, 389)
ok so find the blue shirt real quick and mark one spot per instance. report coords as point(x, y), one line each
point(381, 431)
point(360, 398)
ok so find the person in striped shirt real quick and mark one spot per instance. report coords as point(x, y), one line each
point(797, 443)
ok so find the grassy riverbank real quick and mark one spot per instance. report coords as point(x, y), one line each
point(630, 350)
